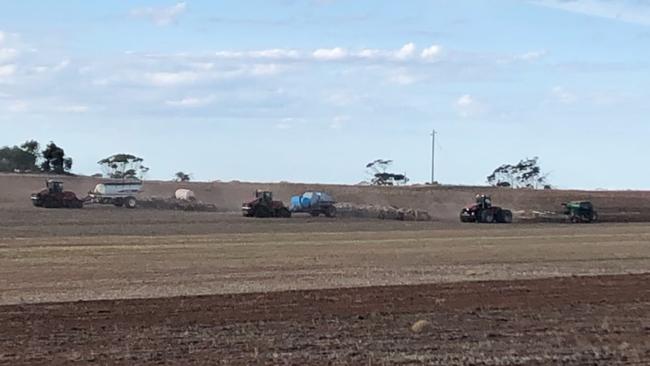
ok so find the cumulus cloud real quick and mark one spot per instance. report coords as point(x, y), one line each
point(407, 51)
point(431, 52)
point(171, 78)
point(468, 106)
point(2, 36)
point(191, 102)
point(161, 16)
point(329, 54)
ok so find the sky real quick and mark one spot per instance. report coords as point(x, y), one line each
point(313, 90)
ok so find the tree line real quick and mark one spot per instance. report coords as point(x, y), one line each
point(29, 158)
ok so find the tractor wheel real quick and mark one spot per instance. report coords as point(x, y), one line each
point(506, 217)
point(486, 217)
point(594, 217)
point(284, 213)
point(130, 202)
point(331, 211)
point(465, 216)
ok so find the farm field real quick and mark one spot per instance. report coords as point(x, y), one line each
point(568, 321)
point(114, 286)
point(104, 254)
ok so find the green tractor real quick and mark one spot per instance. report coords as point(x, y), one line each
point(580, 212)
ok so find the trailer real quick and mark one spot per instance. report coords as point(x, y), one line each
point(314, 203)
point(120, 194)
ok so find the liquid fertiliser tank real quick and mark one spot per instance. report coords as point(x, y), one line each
point(314, 203)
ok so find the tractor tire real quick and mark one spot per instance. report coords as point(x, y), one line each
point(594, 217)
point(486, 217)
point(130, 203)
point(506, 217)
point(330, 211)
point(465, 216)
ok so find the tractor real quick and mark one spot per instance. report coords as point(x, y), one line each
point(53, 196)
point(580, 212)
point(264, 206)
point(484, 212)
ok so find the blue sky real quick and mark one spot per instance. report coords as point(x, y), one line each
point(312, 90)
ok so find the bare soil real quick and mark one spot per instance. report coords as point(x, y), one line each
point(108, 285)
point(442, 202)
point(567, 321)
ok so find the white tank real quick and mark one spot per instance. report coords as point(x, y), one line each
point(118, 189)
point(185, 195)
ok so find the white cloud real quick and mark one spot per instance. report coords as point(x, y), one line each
point(2, 36)
point(369, 53)
point(403, 77)
point(531, 56)
point(431, 52)
point(407, 51)
point(563, 96)
point(630, 11)
point(74, 109)
point(161, 16)
point(172, 78)
point(7, 70)
point(266, 69)
point(7, 54)
point(329, 54)
point(191, 102)
point(467, 106)
point(276, 53)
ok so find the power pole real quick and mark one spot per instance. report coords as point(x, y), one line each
point(433, 156)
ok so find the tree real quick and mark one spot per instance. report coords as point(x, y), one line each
point(525, 174)
point(54, 159)
point(380, 175)
point(15, 159)
point(182, 177)
point(31, 147)
point(123, 166)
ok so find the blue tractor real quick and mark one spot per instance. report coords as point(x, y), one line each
point(314, 203)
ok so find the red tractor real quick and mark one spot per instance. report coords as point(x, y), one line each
point(264, 206)
point(55, 197)
point(484, 212)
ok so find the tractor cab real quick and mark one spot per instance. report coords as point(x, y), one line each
point(54, 186)
point(264, 195)
point(483, 201)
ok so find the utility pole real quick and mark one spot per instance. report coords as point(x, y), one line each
point(433, 156)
